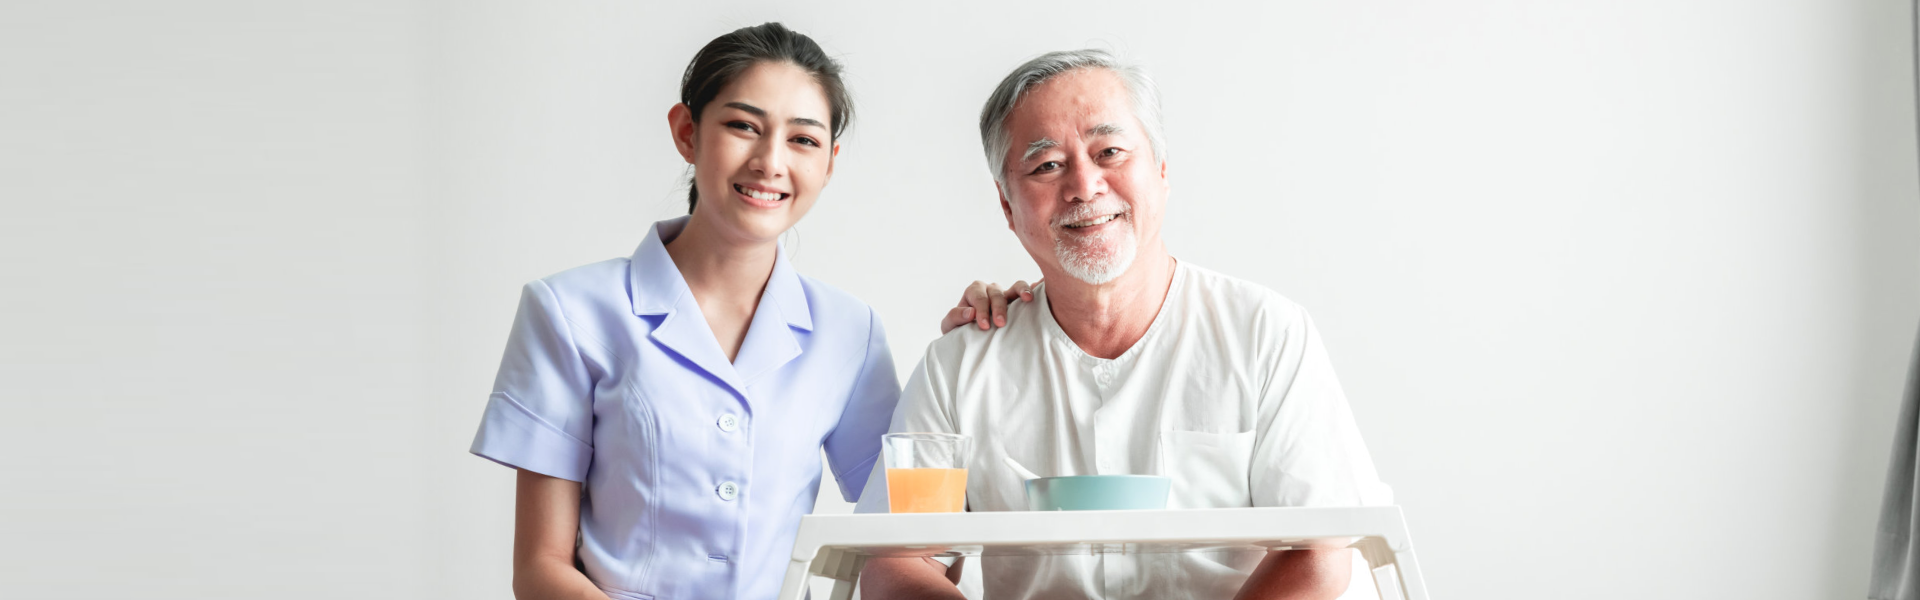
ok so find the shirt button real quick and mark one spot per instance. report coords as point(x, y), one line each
point(728, 491)
point(728, 423)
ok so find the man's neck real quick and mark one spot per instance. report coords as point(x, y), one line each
point(1107, 319)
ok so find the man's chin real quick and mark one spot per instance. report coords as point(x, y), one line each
point(1097, 269)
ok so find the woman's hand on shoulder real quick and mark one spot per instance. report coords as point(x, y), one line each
point(985, 305)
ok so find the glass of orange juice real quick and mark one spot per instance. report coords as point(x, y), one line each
point(926, 472)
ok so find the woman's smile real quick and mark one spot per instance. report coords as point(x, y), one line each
point(760, 197)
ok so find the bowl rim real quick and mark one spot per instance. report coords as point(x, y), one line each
point(1116, 476)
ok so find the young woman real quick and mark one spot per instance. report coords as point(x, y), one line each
point(666, 411)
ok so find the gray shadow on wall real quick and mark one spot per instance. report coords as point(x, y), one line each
point(1887, 306)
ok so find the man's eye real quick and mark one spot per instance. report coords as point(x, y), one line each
point(1110, 152)
point(806, 141)
point(1046, 166)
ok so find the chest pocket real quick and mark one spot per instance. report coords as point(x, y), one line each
point(1209, 470)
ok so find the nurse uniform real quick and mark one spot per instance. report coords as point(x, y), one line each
point(696, 470)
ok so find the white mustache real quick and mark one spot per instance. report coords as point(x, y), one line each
point(1089, 211)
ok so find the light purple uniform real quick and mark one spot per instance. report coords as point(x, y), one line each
point(697, 470)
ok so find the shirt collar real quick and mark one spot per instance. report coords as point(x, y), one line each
point(656, 286)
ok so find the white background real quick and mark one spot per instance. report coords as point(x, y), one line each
point(1621, 291)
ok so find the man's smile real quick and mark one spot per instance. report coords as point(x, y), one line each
point(1094, 222)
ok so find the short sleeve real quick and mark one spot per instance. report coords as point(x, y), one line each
point(1309, 451)
point(921, 410)
point(854, 446)
point(540, 416)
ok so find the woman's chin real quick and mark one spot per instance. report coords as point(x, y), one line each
point(762, 227)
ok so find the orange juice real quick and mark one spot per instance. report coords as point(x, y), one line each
point(926, 490)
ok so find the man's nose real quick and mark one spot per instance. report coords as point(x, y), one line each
point(1085, 182)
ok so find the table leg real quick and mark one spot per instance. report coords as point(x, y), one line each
point(843, 589)
point(795, 586)
point(1384, 565)
point(1413, 584)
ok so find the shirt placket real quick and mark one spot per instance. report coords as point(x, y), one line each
point(731, 422)
point(1112, 429)
point(1109, 435)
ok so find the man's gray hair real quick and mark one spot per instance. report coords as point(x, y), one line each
point(993, 117)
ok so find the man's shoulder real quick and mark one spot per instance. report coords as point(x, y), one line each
point(967, 342)
point(1238, 302)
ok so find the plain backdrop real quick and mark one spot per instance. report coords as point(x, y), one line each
point(1621, 291)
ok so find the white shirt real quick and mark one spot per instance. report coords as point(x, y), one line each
point(1229, 392)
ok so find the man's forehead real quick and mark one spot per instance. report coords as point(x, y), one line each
point(1065, 102)
point(1082, 103)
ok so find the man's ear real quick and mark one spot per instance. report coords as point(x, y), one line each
point(1006, 208)
point(680, 124)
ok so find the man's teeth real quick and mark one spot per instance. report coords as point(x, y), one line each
point(759, 195)
point(1093, 222)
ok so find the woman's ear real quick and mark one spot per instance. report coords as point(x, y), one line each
point(833, 157)
point(680, 124)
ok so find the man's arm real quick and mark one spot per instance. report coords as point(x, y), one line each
point(1317, 574)
point(910, 579)
point(1309, 453)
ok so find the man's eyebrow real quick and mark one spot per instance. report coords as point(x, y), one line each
point(1038, 146)
point(754, 110)
point(1105, 129)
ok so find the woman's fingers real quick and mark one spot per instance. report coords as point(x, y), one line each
point(956, 316)
point(1020, 290)
point(976, 298)
point(985, 305)
point(999, 308)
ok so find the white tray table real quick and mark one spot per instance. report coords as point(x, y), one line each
point(837, 546)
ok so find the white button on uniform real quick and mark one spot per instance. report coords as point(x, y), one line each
point(728, 423)
point(728, 491)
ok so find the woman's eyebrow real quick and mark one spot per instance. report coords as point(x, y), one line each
point(751, 109)
point(758, 112)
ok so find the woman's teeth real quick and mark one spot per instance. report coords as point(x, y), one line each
point(1099, 221)
point(759, 195)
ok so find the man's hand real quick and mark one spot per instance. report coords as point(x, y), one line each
point(1317, 574)
point(910, 579)
point(985, 304)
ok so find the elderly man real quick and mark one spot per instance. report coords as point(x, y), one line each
point(1126, 361)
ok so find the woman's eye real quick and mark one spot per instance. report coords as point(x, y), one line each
point(742, 125)
point(806, 141)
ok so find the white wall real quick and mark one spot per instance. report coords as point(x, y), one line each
point(211, 344)
point(1621, 291)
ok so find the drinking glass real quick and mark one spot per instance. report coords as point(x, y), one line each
point(926, 472)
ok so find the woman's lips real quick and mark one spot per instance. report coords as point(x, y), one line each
point(760, 198)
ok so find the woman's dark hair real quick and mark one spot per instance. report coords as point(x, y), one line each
point(727, 56)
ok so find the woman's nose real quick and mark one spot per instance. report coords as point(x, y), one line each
point(768, 158)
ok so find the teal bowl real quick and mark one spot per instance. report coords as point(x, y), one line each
point(1098, 492)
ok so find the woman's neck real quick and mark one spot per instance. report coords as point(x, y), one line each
point(723, 273)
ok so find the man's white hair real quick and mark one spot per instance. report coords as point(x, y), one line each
point(993, 117)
